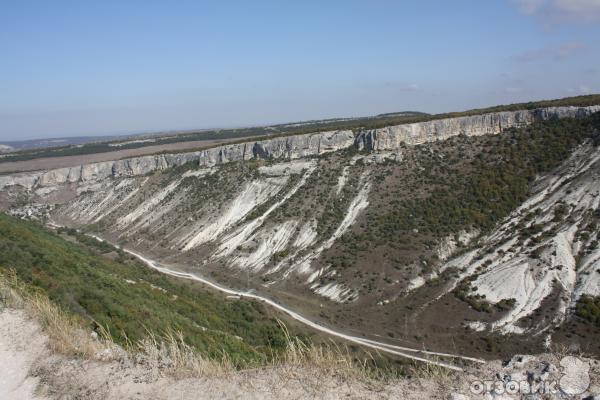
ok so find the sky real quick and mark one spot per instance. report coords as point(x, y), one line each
point(78, 68)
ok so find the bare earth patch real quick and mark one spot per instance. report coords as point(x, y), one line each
point(21, 344)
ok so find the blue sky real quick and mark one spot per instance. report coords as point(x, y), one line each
point(77, 68)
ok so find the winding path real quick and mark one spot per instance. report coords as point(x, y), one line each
point(418, 355)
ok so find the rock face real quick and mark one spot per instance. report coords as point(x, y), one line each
point(298, 146)
point(290, 147)
point(392, 137)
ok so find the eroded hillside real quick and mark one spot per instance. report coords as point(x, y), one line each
point(418, 233)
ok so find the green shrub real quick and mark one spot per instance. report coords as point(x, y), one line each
point(588, 308)
point(130, 300)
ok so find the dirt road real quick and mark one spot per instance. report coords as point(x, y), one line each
point(429, 357)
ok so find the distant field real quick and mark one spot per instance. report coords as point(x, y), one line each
point(206, 138)
point(70, 161)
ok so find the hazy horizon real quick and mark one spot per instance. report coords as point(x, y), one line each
point(183, 130)
point(109, 69)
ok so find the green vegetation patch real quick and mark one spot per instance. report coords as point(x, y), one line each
point(588, 308)
point(498, 181)
point(109, 288)
point(446, 198)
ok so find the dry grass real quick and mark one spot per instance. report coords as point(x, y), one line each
point(444, 378)
point(65, 332)
point(11, 290)
point(327, 359)
point(172, 355)
point(431, 371)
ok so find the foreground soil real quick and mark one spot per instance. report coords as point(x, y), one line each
point(22, 343)
point(31, 371)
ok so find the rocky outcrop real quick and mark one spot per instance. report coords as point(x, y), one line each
point(290, 147)
point(392, 137)
point(298, 146)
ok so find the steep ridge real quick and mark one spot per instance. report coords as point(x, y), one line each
point(392, 137)
point(299, 146)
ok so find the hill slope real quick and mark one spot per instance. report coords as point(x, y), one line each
point(380, 233)
point(111, 290)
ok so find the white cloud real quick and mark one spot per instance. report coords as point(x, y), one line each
point(584, 9)
point(513, 90)
point(585, 89)
point(413, 87)
point(561, 10)
point(403, 87)
point(557, 52)
point(529, 6)
point(582, 89)
point(566, 49)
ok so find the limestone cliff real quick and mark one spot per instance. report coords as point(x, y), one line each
point(392, 137)
point(298, 146)
point(289, 147)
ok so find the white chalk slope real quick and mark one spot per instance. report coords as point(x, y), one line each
point(546, 249)
point(239, 231)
